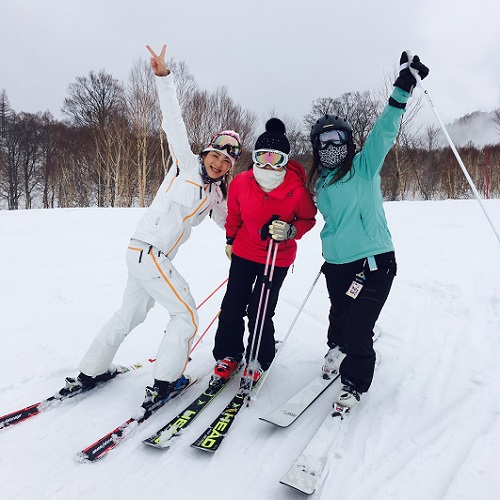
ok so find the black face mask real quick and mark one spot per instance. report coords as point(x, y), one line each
point(332, 156)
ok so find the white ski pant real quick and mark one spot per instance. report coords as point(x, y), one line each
point(151, 278)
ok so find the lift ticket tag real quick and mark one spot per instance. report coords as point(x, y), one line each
point(356, 286)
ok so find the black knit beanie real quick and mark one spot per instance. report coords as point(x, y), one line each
point(274, 137)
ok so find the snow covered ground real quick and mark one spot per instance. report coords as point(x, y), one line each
point(428, 429)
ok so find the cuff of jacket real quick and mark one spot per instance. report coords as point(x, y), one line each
point(399, 98)
point(229, 240)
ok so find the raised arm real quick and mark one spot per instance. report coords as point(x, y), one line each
point(172, 121)
point(386, 128)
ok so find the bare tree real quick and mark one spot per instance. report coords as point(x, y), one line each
point(95, 103)
point(50, 158)
point(426, 162)
point(5, 120)
point(12, 163)
point(184, 81)
point(6, 113)
point(361, 109)
point(210, 112)
point(145, 124)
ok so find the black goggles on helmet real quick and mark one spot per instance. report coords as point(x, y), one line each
point(335, 137)
point(226, 142)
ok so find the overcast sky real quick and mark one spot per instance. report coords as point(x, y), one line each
point(271, 54)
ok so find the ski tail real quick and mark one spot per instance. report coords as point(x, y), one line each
point(110, 440)
point(162, 439)
point(212, 438)
point(23, 414)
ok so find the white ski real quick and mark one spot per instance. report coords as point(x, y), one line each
point(306, 472)
point(291, 410)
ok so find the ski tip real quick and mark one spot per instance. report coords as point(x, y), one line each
point(85, 458)
point(153, 443)
point(274, 422)
point(82, 458)
point(302, 489)
point(202, 448)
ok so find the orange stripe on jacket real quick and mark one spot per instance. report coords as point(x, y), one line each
point(183, 220)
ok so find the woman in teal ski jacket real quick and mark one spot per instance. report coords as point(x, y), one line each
point(360, 263)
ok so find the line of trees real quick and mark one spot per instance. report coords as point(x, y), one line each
point(110, 150)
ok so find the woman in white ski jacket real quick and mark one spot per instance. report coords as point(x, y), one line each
point(194, 187)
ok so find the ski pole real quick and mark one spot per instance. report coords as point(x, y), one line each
point(203, 334)
point(211, 322)
point(262, 307)
point(453, 148)
point(306, 298)
point(215, 291)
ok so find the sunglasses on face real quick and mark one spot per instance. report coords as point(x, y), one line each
point(228, 143)
point(275, 159)
point(335, 137)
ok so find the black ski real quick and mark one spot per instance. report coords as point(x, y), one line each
point(162, 439)
point(212, 438)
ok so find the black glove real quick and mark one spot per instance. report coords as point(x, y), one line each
point(406, 80)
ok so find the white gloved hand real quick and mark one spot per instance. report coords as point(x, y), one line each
point(281, 230)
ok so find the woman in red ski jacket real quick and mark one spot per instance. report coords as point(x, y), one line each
point(268, 201)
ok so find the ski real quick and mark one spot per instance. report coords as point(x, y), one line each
point(212, 438)
point(305, 474)
point(162, 439)
point(292, 409)
point(23, 414)
point(109, 441)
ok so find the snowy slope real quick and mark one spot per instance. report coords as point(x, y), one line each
point(428, 429)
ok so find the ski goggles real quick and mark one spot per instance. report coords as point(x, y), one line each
point(335, 137)
point(275, 159)
point(228, 143)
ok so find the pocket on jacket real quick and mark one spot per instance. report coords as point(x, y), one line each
point(187, 194)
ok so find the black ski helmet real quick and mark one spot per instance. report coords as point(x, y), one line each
point(328, 122)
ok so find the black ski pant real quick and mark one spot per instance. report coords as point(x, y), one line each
point(242, 298)
point(352, 319)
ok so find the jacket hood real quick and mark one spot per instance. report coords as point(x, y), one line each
point(295, 166)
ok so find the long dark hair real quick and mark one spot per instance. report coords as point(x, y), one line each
point(341, 171)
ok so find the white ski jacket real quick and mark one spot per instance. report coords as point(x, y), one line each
point(183, 200)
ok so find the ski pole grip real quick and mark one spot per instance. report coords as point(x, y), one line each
point(264, 232)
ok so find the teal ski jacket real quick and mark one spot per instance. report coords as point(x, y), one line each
point(355, 222)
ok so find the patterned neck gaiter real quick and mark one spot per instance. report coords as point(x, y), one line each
point(332, 156)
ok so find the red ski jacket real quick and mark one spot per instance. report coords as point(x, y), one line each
point(249, 208)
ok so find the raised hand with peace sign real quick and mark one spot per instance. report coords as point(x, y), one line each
point(158, 61)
